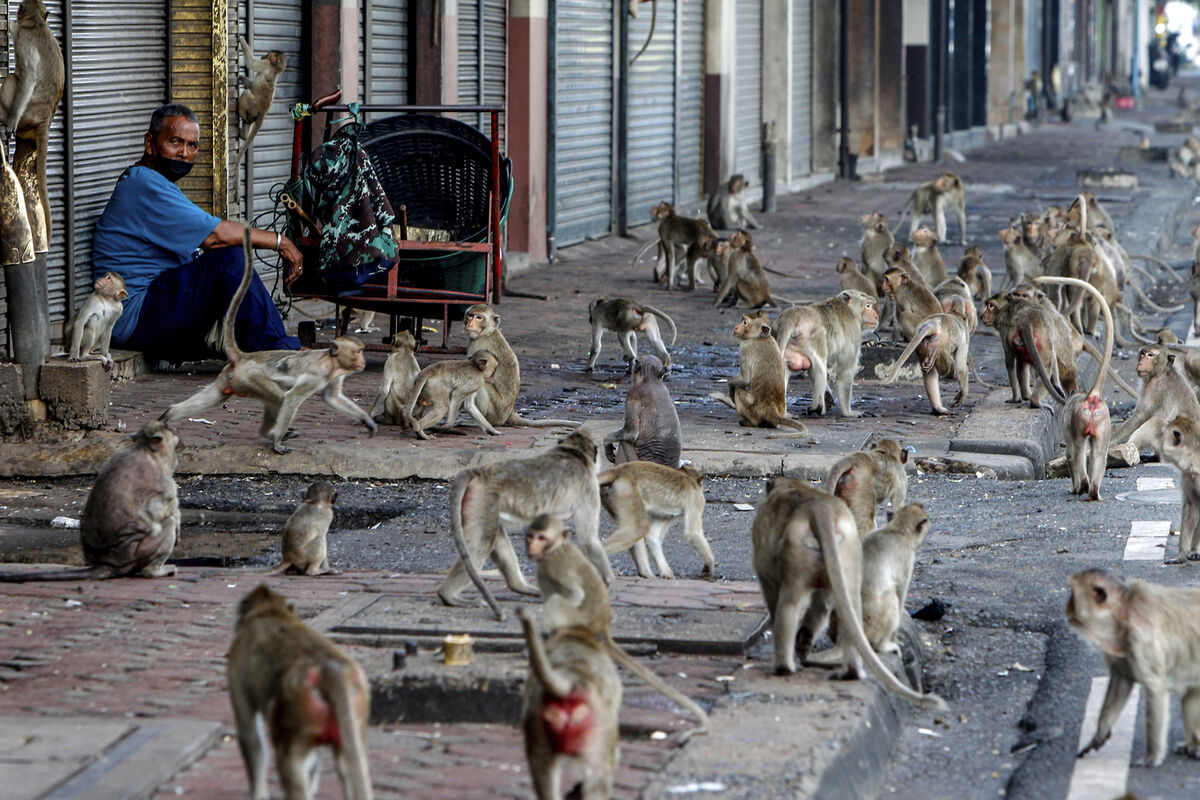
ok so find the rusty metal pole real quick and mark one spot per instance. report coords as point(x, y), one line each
point(20, 277)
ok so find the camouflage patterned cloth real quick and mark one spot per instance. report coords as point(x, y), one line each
point(354, 212)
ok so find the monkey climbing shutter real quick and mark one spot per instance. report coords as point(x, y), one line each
point(583, 135)
point(689, 131)
point(747, 92)
point(385, 53)
point(650, 114)
point(801, 155)
point(482, 60)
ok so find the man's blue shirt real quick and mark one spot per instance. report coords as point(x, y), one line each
point(147, 227)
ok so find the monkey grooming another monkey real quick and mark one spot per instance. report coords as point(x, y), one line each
point(943, 342)
point(1165, 395)
point(867, 480)
point(571, 708)
point(626, 318)
point(806, 548)
point(1181, 447)
point(576, 596)
point(645, 498)
point(255, 100)
point(727, 207)
point(131, 517)
point(291, 683)
point(303, 546)
point(651, 431)
point(758, 393)
point(279, 379)
point(446, 386)
point(399, 374)
point(1149, 634)
point(92, 326)
point(559, 481)
point(746, 279)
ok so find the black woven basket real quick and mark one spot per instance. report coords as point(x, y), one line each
point(440, 170)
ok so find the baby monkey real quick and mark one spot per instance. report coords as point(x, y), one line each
point(399, 374)
point(93, 325)
point(304, 534)
point(447, 386)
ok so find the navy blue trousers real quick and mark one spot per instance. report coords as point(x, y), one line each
point(182, 303)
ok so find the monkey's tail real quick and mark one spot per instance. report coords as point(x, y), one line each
point(664, 316)
point(1091, 350)
point(627, 661)
point(1109, 326)
point(779, 300)
point(1141, 295)
point(227, 329)
point(413, 395)
point(607, 477)
point(1130, 323)
point(642, 252)
point(1166, 267)
point(922, 332)
point(456, 500)
point(516, 420)
point(1026, 331)
point(722, 398)
point(774, 271)
point(98, 572)
point(850, 616)
point(335, 685)
point(650, 35)
point(553, 682)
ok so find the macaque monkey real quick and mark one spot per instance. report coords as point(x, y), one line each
point(291, 683)
point(657, 213)
point(444, 387)
point(914, 301)
point(727, 207)
point(943, 342)
point(1186, 159)
point(92, 325)
point(1181, 447)
point(559, 481)
point(758, 393)
point(131, 517)
point(30, 94)
point(867, 480)
point(888, 555)
point(852, 278)
point(717, 259)
point(399, 374)
point(1018, 321)
point(1021, 263)
point(1149, 634)
point(1165, 395)
point(808, 557)
point(651, 431)
point(926, 258)
point(303, 546)
point(746, 278)
point(1084, 420)
point(931, 198)
point(1194, 291)
point(255, 100)
point(575, 595)
point(974, 271)
point(694, 235)
point(626, 318)
point(1095, 215)
point(955, 298)
point(827, 335)
point(280, 379)
point(876, 240)
point(498, 399)
point(571, 708)
point(645, 498)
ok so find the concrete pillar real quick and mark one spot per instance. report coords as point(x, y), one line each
point(1018, 69)
point(825, 86)
point(889, 76)
point(862, 78)
point(1002, 74)
point(777, 83)
point(719, 19)
point(528, 55)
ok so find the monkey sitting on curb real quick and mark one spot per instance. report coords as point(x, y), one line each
point(303, 547)
point(92, 327)
point(651, 431)
point(758, 393)
point(399, 374)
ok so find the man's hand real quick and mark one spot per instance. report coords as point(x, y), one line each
point(293, 260)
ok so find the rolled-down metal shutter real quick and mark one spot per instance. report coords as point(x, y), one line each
point(650, 115)
point(801, 88)
point(583, 150)
point(119, 76)
point(747, 83)
point(482, 59)
point(689, 135)
point(385, 52)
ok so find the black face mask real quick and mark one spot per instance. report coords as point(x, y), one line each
point(170, 168)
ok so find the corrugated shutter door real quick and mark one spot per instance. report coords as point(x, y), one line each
point(689, 142)
point(583, 127)
point(747, 82)
point(801, 88)
point(483, 73)
point(115, 89)
point(385, 40)
point(277, 26)
point(650, 115)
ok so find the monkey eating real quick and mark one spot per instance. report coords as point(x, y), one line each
point(645, 498)
point(867, 480)
point(1181, 447)
point(444, 387)
point(727, 208)
point(131, 518)
point(559, 481)
point(255, 100)
point(626, 318)
point(1149, 634)
point(280, 379)
point(758, 393)
point(651, 431)
point(303, 547)
point(808, 556)
point(399, 374)
point(92, 326)
point(295, 686)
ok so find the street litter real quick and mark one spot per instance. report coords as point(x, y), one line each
point(689, 788)
point(64, 522)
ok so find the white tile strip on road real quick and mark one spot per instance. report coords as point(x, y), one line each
point(1147, 540)
point(1154, 484)
point(1104, 772)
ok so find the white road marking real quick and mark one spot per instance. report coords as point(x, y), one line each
point(1154, 484)
point(1104, 772)
point(1147, 540)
